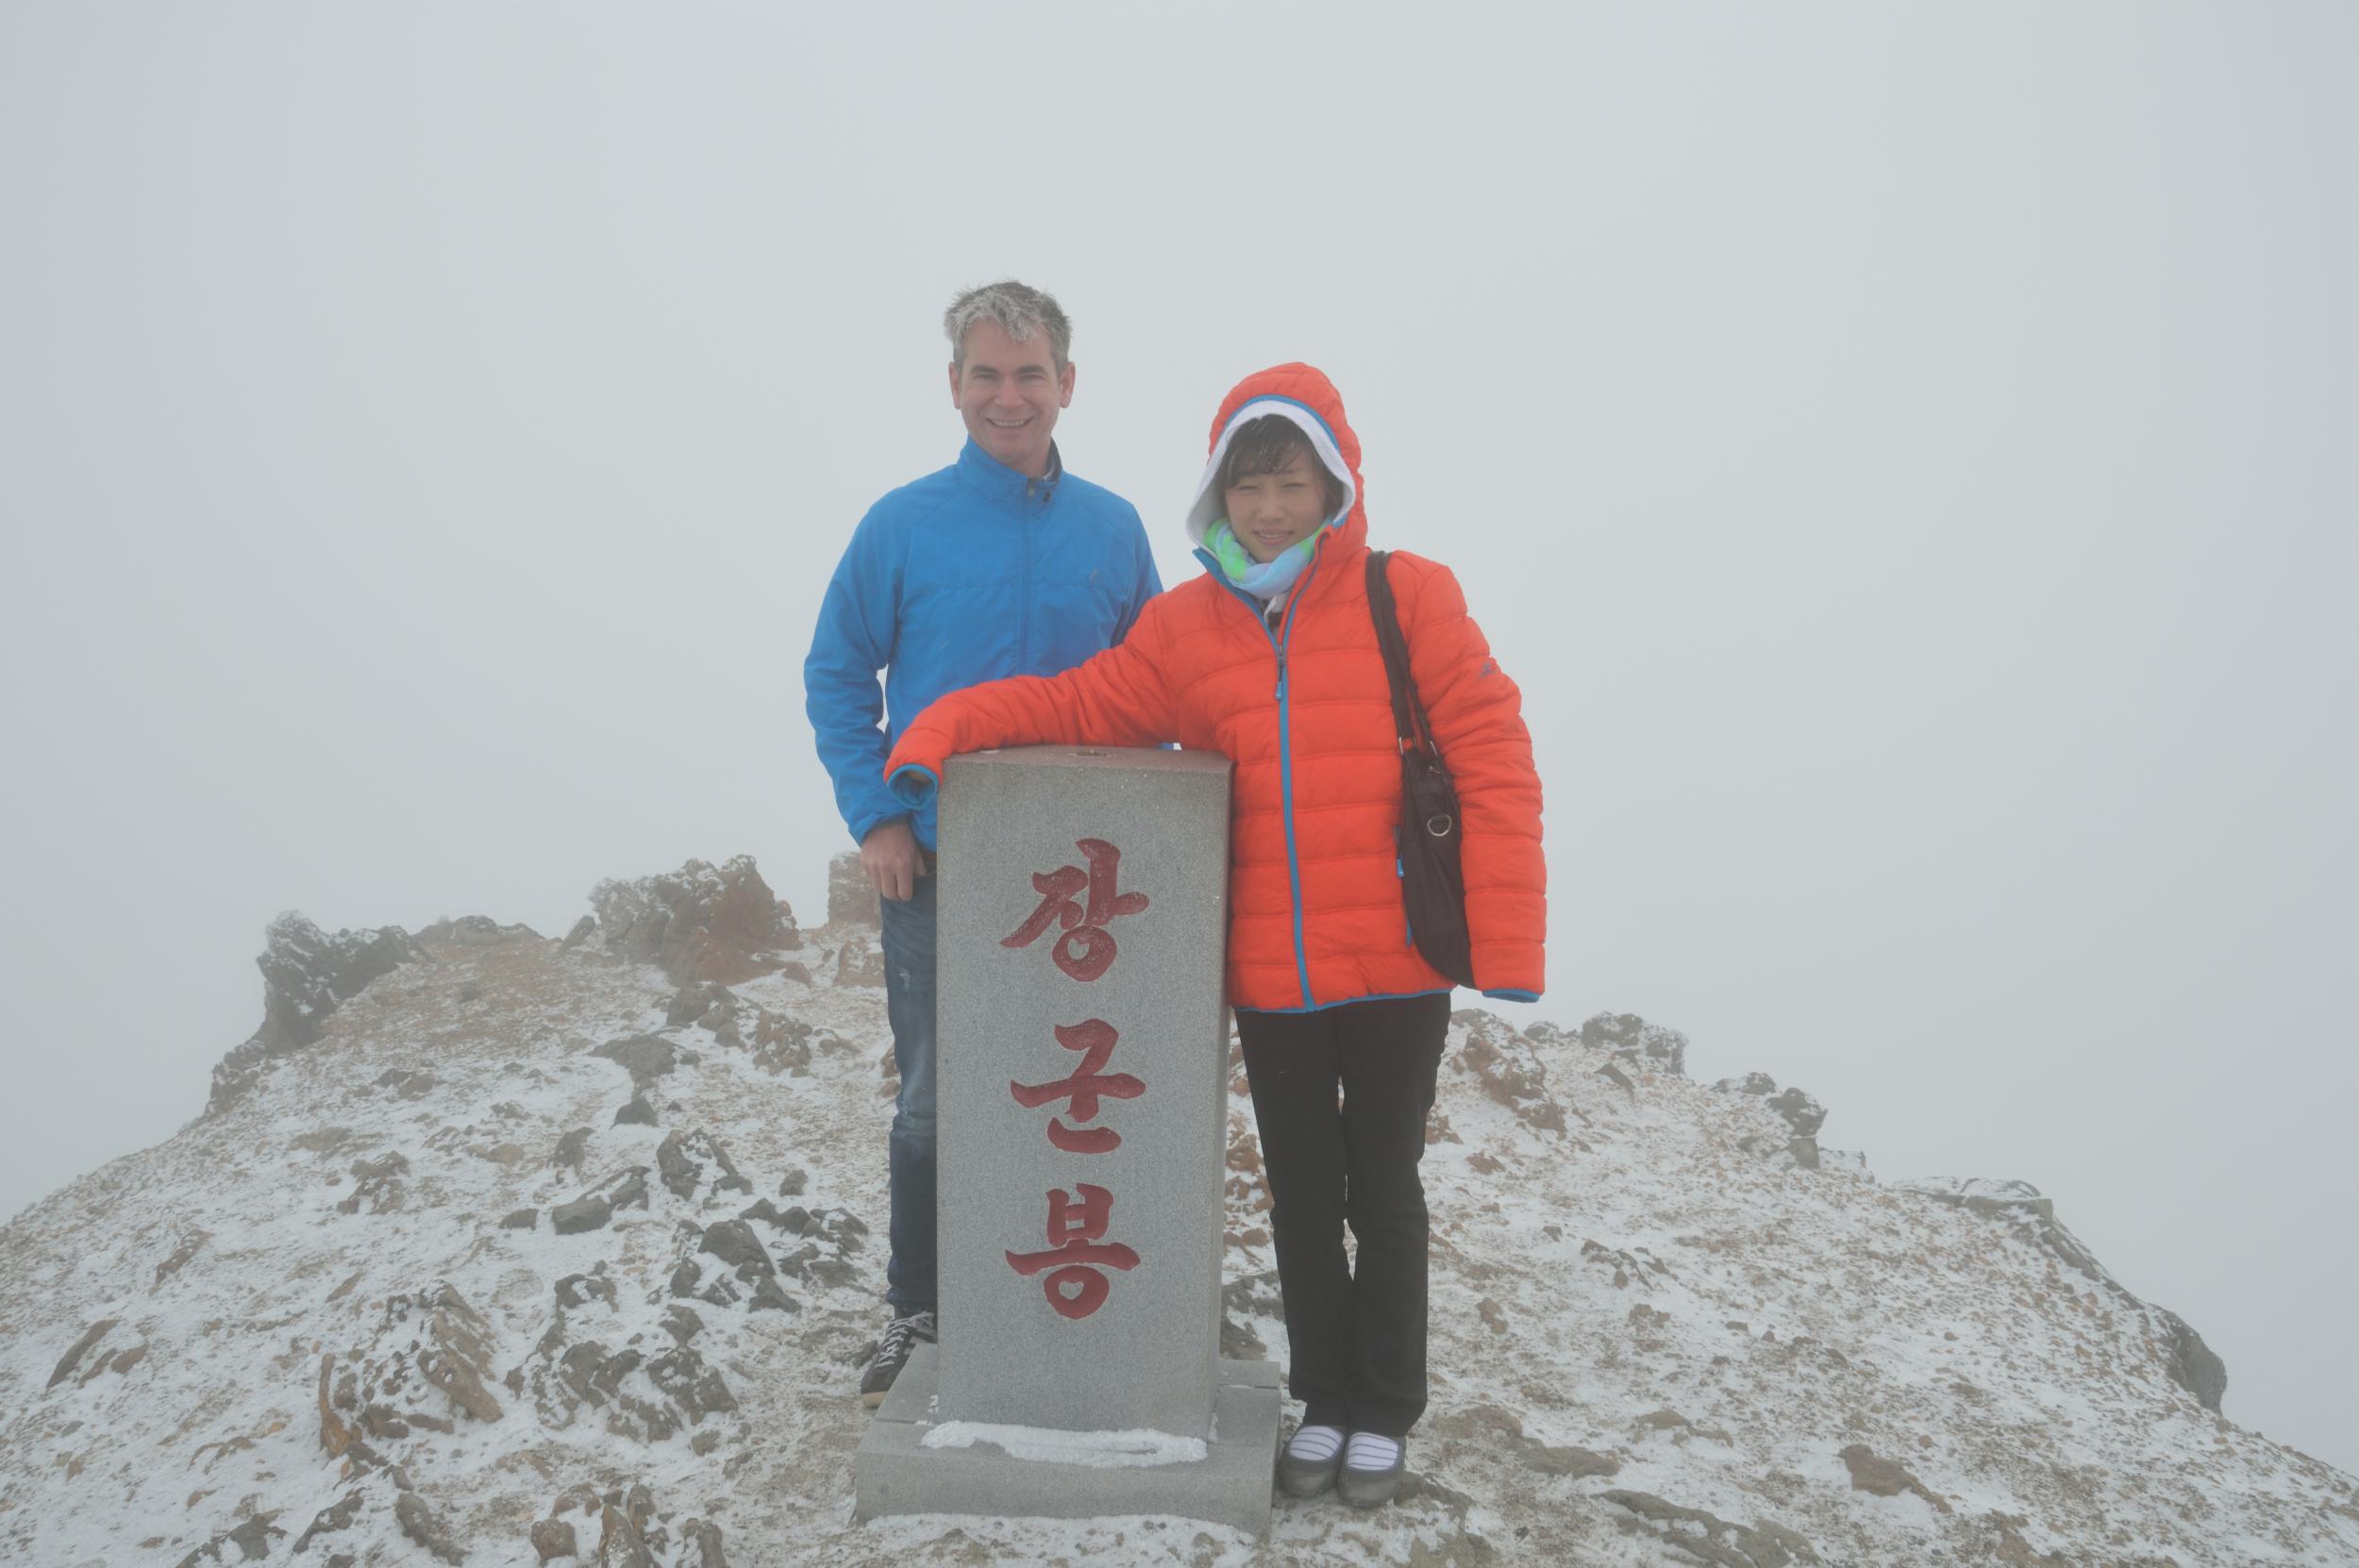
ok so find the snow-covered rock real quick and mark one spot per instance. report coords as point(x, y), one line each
point(324, 1322)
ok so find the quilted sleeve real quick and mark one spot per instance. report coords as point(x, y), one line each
point(1116, 698)
point(1477, 714)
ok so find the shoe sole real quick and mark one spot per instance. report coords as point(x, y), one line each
point(1299, 1485)
point(1375, 1491)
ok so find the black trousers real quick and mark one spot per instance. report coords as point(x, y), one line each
point(1340, 1097)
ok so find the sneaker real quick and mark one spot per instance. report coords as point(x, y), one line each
point(1306, 1465)
point(901, 1335)
point(1373, 1466)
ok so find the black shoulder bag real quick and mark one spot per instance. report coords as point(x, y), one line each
point(1432, 885)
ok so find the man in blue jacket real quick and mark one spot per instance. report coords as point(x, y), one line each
point(1000, 564)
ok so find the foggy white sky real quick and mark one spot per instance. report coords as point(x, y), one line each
point(1906, 455)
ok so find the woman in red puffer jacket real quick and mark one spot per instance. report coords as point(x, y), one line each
point(1271, 659)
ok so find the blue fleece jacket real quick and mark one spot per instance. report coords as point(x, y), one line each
point(970, 573)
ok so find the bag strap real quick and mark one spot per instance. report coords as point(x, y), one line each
point(1409, 717)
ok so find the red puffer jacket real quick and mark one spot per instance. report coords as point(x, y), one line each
point(1305, 712)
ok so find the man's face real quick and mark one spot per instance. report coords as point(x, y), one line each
point(1010, 392)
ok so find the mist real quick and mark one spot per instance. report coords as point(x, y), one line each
point(1905, 456)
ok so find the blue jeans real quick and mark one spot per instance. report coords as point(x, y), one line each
point(909, 959)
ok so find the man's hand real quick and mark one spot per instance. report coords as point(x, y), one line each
point(891, 857)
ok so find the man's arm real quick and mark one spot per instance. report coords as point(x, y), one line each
point(859, 619)
point(1145, 582)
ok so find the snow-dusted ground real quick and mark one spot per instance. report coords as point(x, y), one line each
point(304, 1315)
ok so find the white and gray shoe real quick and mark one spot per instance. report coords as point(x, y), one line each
point(1306, 1465)
point(1372, 1467)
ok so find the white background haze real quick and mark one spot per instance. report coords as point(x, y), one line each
point(1906, 455)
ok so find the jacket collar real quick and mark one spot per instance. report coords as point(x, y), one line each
point(981, 470)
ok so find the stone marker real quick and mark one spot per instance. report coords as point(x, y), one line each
point(1082, 1099)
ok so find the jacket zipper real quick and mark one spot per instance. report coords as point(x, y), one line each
point(1279, 642)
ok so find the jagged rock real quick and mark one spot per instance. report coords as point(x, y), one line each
point(419, 1523)
point(779, 1044)
point(188, 1248)
point(700, 1545)
point(579, 1289)
point(682, 1323)
point(633, 1191)
point(453, 1351)
point(406, 1083)
point(377, 1183)
point(572, 1148)
point(552, 1538)
point(691, 1002)
point(796, 1179)
point(1574, 1461)
point(1980, 1196)
point(1802, 1114)
point(522, 1219)
point(335, 1517)
point(587, 1214)
point(770, 1296)
point(681, 1157)
point(2191, 1363)
point(635, 1112)
point(700, 923)
point(473, 931)
point(584, 929)
point(1884, 1478)
point(1708, 1538)
point(688, 1382)
point(305, 976)
point(1627, 1034)
point(252, 1538)
point(91, 1336)
point(852, 896)
point(1508, 1068)
point(644, 1057)
point(620, 1544)
point(734, 1243)
point(685, 1277)
point(858, 959)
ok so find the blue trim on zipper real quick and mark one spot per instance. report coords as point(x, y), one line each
point(1285, 746)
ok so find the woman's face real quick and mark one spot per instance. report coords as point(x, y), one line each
point(1269, 511)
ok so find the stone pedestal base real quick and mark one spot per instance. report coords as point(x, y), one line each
point(895, 1473)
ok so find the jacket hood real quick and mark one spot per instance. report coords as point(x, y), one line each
point(1303, 394)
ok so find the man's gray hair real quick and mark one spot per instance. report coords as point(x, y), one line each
point(1020, 310)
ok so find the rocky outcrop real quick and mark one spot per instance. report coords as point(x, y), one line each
point(852, 896)
point(1509, 1069)
point(473, 931)
point(1631, 1036)
point(777, 1042)
point(1801, 1113)
point(699, 923)
point(860, 959)
point(2190, 1364)
point(305, 976)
